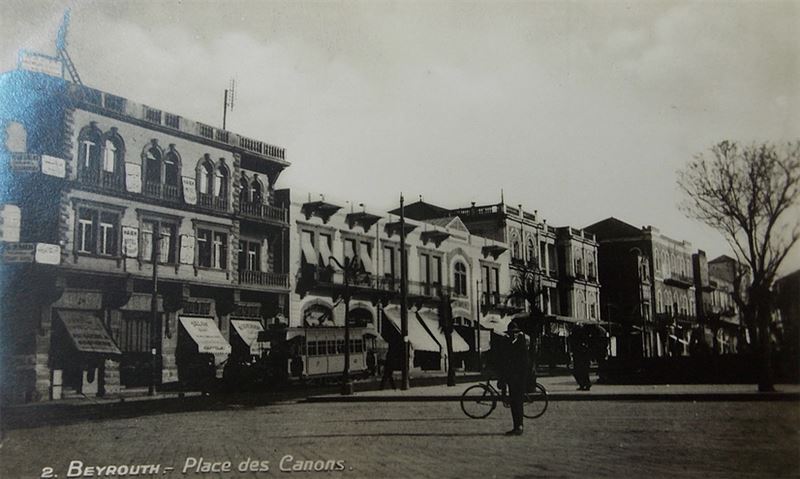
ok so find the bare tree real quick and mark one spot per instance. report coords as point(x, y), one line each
point(745, 192)
point(527, 286)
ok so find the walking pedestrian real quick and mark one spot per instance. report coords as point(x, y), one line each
point(515, 373)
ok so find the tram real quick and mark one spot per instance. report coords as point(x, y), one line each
point(318, 353)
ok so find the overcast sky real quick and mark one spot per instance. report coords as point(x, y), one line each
point(580, 110)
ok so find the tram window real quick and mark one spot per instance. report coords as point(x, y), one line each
point(303, 349)
point(359, 345)
point(340, 346)
point(332, 347)
point(322, 348)
point(312, 348)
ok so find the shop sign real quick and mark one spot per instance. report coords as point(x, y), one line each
point(24, 163)
point(48, 253)
point(36, 62)
point(189, 190)
point(10, 218)
point(53, 166)
point(248, 331)
point(19, 252)
point(88, 333)
point(205, 333)
point(187, 249)
point(133, 177)
point(130, 241)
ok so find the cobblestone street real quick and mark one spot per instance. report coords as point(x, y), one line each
point(433, 439)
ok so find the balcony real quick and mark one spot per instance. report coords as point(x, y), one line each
point(163, 191)
point(104, 179)
point(213, 202)
point(678, 279)
point(261, 278)
point(316, 278)
point(264, 212)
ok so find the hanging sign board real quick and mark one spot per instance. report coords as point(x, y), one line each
point(48, 253)
point(130, 241)
point(133, 177)
point(53, 166)
point(187, 249)
point(10, 219)
point(189, 190)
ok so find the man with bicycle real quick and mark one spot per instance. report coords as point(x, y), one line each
point(513, 372)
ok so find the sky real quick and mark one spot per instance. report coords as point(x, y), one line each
point(579, 110)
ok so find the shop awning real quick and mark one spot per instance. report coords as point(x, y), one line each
point(248, 331)
point(205, 333)
point(430, 320)
point(419, 338)
point(88, 333)
point(309, 253)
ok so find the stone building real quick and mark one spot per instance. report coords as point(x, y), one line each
point(445, 263)
point(558, 264)
point(105, 186)
point(648, 289)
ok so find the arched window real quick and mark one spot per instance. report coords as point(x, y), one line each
point(257, 193)
point(515, 249)
point(659, 302)
point(205, 178)
point(578, 267)
point(221, 182)
point(244, 194)
point(531, 251)
point(152, 165)
point(460, 279)
point(171, 168)
point(89, 143)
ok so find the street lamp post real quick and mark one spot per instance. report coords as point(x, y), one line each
point(154, 330)
point(349, 269)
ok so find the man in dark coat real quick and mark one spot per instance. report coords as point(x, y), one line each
point(515, 373)
point(393, 361)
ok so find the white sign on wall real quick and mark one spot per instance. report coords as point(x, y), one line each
point(54, 166)
point(130, 241)
point(133, 177)
point(187, 249)
point(48, 253)
point(18, 252)
point(10, 219)
point(189, 190)
point(36, 62)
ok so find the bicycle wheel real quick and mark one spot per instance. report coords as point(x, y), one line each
point(478, 401)
point(535, 402)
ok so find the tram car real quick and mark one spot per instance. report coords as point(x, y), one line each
point(318, 353)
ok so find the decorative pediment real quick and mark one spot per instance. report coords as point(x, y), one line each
point(394, 228)
point(365, 220)
point(493, 250)
point(319, 209)
point(435, 236)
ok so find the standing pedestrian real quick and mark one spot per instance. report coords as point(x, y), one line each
point(371, 362)
point(581, 355)
point(515, 373)
point(389, 366)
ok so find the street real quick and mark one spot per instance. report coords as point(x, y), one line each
point(421, 440)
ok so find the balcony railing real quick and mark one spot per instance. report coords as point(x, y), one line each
point(212, 201)
point(261, 278)
point(328, 277)
point(163, 191)
point(262, 211)
point(679, 279)
point(103, 179)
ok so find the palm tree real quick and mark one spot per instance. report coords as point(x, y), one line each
point(527, 287)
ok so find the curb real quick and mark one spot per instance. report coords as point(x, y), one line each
point(712, 397)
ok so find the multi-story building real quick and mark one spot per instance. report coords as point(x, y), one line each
point(717, 312)
point(560, 263)
point(444, 262)
point(145, 238)
point(648, 288)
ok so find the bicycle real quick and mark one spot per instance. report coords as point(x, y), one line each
point(479, 400)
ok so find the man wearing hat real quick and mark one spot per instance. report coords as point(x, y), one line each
point(515, 373)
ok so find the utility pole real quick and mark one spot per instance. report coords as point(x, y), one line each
point(154, 329)
point(348, 270)
point(405, 384)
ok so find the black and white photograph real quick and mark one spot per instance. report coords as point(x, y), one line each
point(402, 239)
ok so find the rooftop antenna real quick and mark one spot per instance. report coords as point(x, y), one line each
point(228, 101)
point(61, 49)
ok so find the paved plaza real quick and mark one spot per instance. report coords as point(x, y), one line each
point(424, 440)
